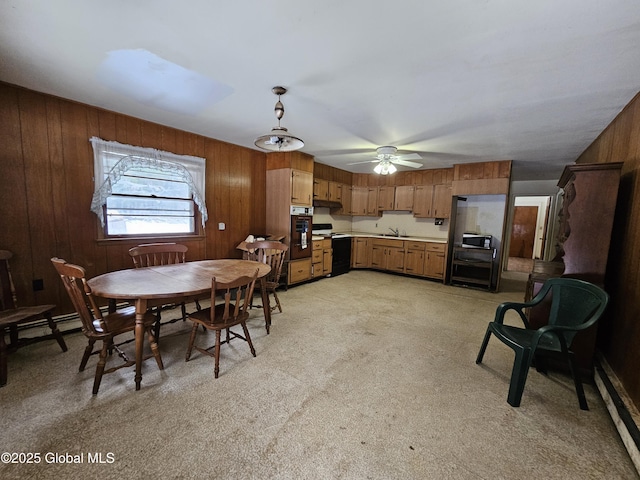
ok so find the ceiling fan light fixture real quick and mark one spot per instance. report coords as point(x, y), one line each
point(279, 139)
point(385, 168)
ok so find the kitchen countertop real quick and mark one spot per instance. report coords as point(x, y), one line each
point(374, 235)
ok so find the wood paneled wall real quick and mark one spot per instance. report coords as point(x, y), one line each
point(619, 331)
point(46, 185)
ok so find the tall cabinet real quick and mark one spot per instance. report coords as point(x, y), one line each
point(585, 223)
point(289, 182)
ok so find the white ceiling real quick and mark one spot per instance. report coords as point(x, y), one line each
point(457, 81)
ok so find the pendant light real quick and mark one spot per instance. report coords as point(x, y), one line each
point(279, 139)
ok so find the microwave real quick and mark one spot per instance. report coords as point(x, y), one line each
point(476, 240)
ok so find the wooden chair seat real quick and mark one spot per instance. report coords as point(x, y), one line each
point(11, 316)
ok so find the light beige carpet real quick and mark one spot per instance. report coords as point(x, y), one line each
point(365, 375)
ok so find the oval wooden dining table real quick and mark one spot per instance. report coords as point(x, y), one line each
point(191, 279)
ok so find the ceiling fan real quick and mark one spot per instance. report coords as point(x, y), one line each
point(387, 157)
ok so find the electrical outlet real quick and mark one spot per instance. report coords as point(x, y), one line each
point(38, 284)
point(221, 226)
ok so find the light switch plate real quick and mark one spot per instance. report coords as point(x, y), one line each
point(221, 226)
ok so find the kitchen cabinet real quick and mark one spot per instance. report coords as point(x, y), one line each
point(300, 270)
point(387, 255)
point(423, 201)
point(361, 252)
point(335, 192)
point(301, 188)
point(432, 201)
point(434, 262)
point(359, 198)
point(441, 201)
point(403, 199)
point(321, 257)
point(473, 266)
point(372, 201)
point(327, 256)
point(317, 258)
point(414, 262)
point(320, 189)
point(347, 195)
point(386, 198)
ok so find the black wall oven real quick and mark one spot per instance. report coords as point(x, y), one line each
point(301, 225)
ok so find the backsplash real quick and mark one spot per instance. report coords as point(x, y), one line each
point(404, 221)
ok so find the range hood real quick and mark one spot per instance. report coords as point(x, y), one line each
point(326, 203)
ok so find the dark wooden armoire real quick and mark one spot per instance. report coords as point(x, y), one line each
point(589, 195)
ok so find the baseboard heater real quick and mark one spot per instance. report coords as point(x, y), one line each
point(620, 413)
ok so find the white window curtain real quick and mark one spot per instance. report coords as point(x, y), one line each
point(112, 159)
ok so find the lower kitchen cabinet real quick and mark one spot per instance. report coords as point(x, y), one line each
point(299, 270)
point(387, 255)
point(361, 252)
point(321, 257)
point(317, 258)
point(414, 258)
point(434, 262)
point(420, 258)
point(327, 256)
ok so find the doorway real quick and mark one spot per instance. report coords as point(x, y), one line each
point(528, 232)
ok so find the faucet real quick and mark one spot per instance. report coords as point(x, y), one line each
point(395, 231)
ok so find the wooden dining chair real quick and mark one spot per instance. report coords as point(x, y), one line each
point(11, 315)
point(233, 311)
point(153, 254)
point(273, 254)
point(97, 326)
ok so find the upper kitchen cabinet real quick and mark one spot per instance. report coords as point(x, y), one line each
point(432, 197)
point(335, 192)
point(320, 189)
point(403, 199)
point(327, 193)
point(386, 197)
point(301, 188)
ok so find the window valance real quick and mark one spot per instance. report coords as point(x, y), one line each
point(112, 160)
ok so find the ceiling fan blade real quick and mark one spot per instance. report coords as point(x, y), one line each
point(366, 161)
point(408, 156)
point(405, 163)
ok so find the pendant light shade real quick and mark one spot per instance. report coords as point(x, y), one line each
point(279, 139)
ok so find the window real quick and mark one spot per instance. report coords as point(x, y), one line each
point(147, 192)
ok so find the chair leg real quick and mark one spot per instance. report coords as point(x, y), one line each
point(275, 297)
point(183, 307)
point(55, 332)
point(3, 359)
point(154, 349)
point(582, 400)
point(483, 347)
point(216, 369)
point(156, 326)
point(248, 338)
point(519, 373)
point(87, 353)
point(106, 344)
point(192, 340)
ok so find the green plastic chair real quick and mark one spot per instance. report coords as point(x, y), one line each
point(575, 305)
